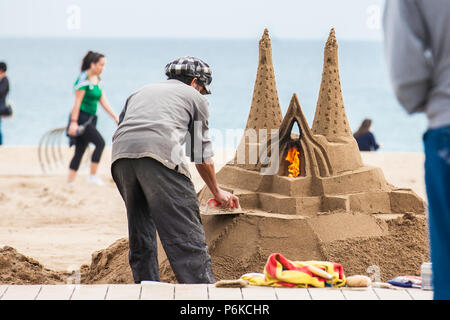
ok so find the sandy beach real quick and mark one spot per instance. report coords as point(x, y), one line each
point(62, 227)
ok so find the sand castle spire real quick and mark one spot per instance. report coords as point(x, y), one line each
point(330, 119)
point(265, 110)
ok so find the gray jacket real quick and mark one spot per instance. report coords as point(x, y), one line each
point(158, 119)
point(417, 46)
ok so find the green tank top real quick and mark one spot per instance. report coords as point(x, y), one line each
point(92, 94)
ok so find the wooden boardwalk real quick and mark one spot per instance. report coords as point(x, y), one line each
point(165, 291)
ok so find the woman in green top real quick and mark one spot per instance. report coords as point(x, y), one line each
point(87, 95)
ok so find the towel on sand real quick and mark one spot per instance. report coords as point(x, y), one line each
point(281, 272)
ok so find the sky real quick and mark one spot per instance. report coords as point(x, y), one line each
point(286, 19)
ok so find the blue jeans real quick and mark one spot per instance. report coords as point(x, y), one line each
point(1, 137)
point(437, 180)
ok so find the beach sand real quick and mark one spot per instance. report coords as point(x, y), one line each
point(62, 227)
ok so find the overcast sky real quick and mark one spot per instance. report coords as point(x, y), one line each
point(294, 19)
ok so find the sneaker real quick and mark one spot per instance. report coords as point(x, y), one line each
point(95, 180)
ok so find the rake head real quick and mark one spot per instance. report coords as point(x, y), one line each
point(50, 150)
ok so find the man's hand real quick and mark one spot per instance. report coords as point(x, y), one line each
point(227, 199)
point(207, 172)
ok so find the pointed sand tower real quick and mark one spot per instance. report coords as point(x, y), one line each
point(330, 124)
point(330, 119)
point(265, 111)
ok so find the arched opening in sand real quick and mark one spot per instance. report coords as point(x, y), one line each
point(292, 162)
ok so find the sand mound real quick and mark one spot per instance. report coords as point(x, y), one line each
point(109, 265)
point(399, 251)
point(15, 268)
point(244, 245)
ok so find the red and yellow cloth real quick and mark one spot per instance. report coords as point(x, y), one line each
point(281, 272)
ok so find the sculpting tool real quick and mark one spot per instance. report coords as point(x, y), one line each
point(213, 208)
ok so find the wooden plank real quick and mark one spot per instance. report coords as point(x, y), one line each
point(21, 292)
point(224, 293)
point(55, 292)
point(3, 288)
point(392, 294)
point(418, 294)
point(90, 292)
point(258, 293)
point(123, 292)
point(292, 294)
point(191, 292)
point(359, 294)
point(326, 294)
point(154, 290)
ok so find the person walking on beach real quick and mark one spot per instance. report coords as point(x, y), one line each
point(4, 89)
point(418, 55)
point(365, 138)
point(154, 181)
point(87, 95)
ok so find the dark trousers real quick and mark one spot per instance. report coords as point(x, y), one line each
point(437, 180)
point(90, 134)
point(158, 198)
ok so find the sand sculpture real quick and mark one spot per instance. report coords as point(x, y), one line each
point(321, 195)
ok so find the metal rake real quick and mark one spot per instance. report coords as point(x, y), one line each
point(50, 150)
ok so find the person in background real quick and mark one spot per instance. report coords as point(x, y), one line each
point(365, 138)
point(87, 95)
point(4, 89)
point(417, 46)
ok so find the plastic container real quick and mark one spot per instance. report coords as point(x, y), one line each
point(427, 276)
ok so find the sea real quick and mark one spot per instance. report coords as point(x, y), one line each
point(42, 72)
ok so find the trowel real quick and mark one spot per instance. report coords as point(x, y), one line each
point(212, 208)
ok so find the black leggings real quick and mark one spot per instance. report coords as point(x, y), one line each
point(91, 134)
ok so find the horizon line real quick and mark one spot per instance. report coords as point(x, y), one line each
point(273, 38)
